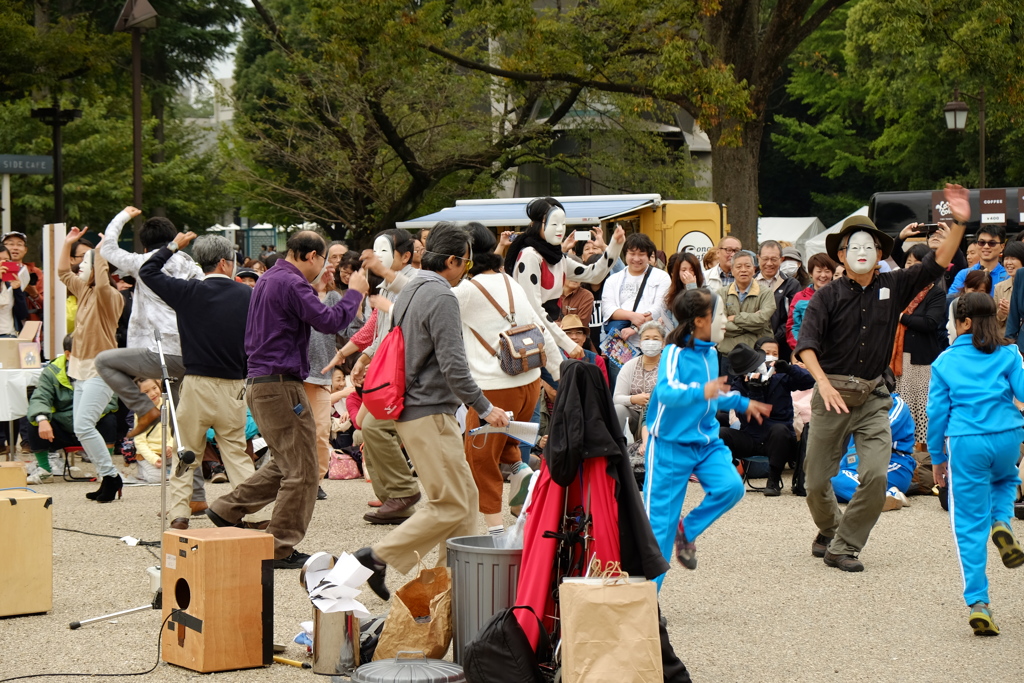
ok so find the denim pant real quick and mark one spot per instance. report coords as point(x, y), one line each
point(91, 399)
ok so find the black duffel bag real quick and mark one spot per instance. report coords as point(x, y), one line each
point(501, 652)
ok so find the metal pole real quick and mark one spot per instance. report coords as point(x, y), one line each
point(981, 132)
point(5, 201)
point(58, 165)
point(137, 127)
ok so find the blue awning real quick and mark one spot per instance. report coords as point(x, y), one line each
point(511, 213)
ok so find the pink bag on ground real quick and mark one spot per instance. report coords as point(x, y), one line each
point(342, 466)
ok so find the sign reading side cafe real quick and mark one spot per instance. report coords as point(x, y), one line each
point(20, 164)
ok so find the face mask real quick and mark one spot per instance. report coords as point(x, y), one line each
point(323, 269)
point(861, 246)
point(718, 321)
point(789, 268)
point(554, 226)
point(651, 347)
point(86, 266)
point(384, 251)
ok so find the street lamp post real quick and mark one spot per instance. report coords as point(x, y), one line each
point(57, 118)
point(956, 119)
point(137, 16)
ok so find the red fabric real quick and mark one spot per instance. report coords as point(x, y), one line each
point(547, 508)
point(353, 403)
point(547, 278)
point(364, 337)
point(599, 362)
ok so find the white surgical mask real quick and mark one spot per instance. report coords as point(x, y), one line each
point(861, 254)
point(789, 268)
point(651, 347)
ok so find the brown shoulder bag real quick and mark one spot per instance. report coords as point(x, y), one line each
point(519, 348)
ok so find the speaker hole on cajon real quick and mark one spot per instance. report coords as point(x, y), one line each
point(182, 594)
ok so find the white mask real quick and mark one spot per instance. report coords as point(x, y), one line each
point(789, 268)
point(384, 251)
point(86, 266)
point(651, 347)
point(861, 254)
point(718, 320)
point(554, 226)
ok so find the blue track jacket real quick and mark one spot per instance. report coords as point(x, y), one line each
point(972, 393)
point(678, 410)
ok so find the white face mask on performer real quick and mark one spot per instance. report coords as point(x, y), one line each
point(384, 251)
point(554, 226)
point(718, 320)
point(861, 253)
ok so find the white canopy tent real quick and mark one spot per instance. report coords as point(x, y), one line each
point(816, 245)
point(796, 230)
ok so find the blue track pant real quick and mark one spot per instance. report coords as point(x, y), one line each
point(845, 483)
point(669, 466)
point(982, 480)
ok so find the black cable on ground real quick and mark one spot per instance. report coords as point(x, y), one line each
point(83, 675)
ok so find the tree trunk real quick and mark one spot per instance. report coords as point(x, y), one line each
point(734, 180)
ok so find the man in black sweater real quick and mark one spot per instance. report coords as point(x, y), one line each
point(212, 316)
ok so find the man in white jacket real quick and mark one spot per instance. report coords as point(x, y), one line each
point(636, 295)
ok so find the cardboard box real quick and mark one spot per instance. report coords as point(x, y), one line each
point(12, 475)
point(26, 573)
point(10, 350)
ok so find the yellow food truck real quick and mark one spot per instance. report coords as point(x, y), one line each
point(674, 224)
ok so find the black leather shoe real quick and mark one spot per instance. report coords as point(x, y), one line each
point(820, 545)
point(293, 561)
point(376, 580)
point(848, 563)
point(773, 487)
point(320, 493)
point(218, 520)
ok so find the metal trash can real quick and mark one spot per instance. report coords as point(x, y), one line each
point(484, 581)
point(335, 634)
point(408, 667)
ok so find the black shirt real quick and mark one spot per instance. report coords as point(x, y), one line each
point(212, 317)
point(851, 328)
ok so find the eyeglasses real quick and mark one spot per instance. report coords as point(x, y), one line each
point(730, 250)
point(988, 243)
point(468, 260)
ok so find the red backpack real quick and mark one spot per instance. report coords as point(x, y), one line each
point(384, 385)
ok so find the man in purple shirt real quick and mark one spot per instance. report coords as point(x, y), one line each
point(283, 308)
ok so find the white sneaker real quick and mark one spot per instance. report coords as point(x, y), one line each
point(40, 476)
point(518, 487)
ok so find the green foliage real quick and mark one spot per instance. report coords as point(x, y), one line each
point(346, 118)
point(98, 167)
point(873, 82)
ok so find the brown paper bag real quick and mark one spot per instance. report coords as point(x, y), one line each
point(420, 618)
point(610, 631)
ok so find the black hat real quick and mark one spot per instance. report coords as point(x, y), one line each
point(857, 224)
point(743, 359)
point(249, 273)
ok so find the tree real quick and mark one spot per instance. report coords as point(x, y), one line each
point(874, 82)
point(718, 61)
point(344, 118)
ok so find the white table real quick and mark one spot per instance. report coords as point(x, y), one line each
point(14, 386)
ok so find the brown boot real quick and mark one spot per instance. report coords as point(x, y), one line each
point(143, 421)
point(393, 511)
point(198, 507)
point(180, 523)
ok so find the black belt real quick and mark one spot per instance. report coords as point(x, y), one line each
point(272, 378)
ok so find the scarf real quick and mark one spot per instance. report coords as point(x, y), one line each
point(551, 253)
point(896, 363)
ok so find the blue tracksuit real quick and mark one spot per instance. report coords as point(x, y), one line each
point(683, 441)
point(901, 464)
point(970, 407)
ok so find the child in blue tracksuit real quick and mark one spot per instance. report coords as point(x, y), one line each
point(684, 432)
point(901, 464)
point(970, 407)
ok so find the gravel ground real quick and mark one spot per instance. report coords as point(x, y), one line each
point(758, 608)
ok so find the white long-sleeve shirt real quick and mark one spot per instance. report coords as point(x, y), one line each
point(149, 312)
point(479, 314)
point(543, 282)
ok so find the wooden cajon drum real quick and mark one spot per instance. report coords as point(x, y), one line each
point(26, 570)
point(12, 475)
point(218, 588)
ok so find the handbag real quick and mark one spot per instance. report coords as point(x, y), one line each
point(519, 348)
point(854, 390)
point(342, 466)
